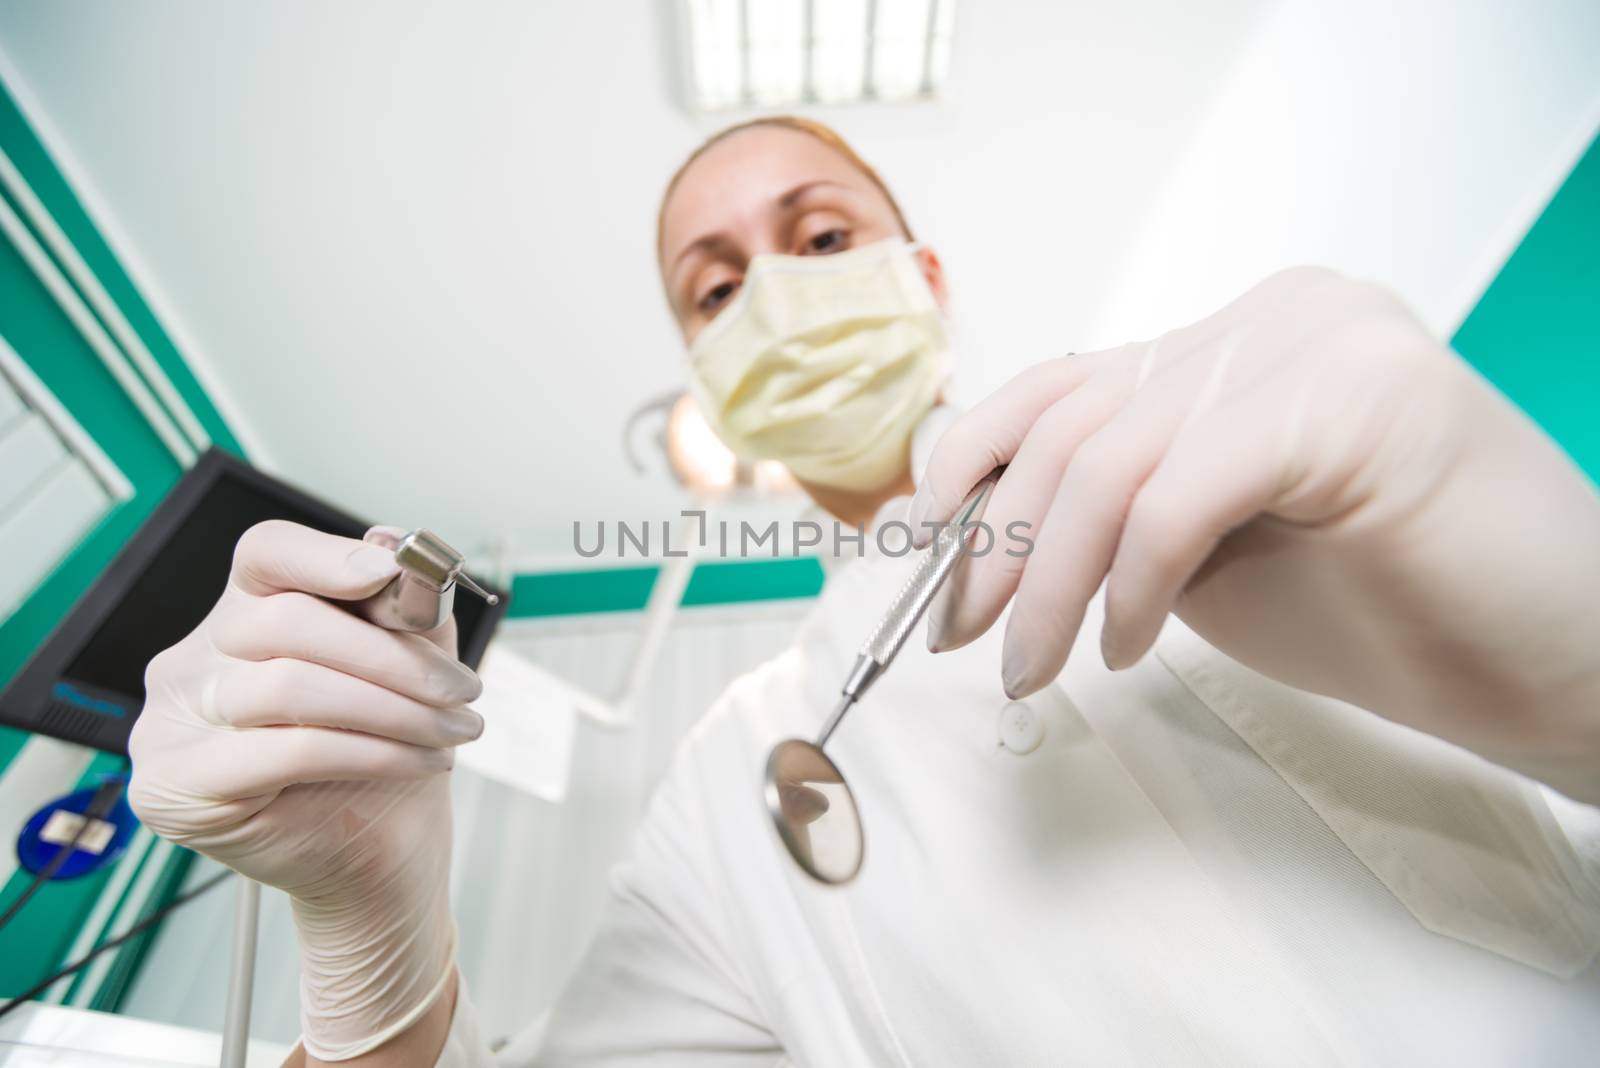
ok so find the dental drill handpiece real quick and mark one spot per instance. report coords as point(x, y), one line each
point(422, 595)
point(938, 561)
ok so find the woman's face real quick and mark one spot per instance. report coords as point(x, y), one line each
point(768, 189)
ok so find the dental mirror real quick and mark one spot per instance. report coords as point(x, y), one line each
point(814, 812)
point(811, 807)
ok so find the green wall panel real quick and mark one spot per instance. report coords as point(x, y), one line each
point(131, 957)
point(36, 327)
point(561, 593)
point(725, 581)
point(32, 945)
point(51, 187)
point(627, 589)
point(11, 742)
point(1536, 332)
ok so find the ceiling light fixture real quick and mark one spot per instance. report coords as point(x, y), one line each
point(776, 53)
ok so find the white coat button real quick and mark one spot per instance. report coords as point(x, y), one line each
point(1021, 730)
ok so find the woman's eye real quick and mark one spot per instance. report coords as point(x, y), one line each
point(715, 296)
point(828, 241)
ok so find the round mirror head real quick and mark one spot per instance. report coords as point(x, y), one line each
point(814, 812)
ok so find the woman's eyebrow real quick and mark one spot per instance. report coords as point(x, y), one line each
point(708, 243)
point(712, 243)
point(788, 199)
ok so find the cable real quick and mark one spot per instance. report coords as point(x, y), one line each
point(143, 925)
point(105, 798)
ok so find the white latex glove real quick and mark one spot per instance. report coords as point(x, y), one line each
point(1318, 488)
point(305, 748)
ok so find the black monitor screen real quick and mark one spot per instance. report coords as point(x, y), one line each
point(179, 586)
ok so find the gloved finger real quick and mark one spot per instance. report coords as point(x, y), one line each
point(1079, 534)
point(386, 536)
point(274, 758)
point(287, 692)
point(987, 437)
point(278, 555)
point(1219, 474)
point(301, 627)
point(978, 591)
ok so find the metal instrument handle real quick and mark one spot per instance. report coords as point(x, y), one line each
point(938, 561)
point(408, 603)
point(422, 596)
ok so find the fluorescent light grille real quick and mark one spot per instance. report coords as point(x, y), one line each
point(772, 53)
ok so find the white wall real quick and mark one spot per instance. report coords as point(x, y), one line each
point(1411, 143)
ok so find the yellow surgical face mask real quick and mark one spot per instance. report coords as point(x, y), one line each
point(825, 363)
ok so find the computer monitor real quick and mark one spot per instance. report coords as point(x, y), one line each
point(86, 682)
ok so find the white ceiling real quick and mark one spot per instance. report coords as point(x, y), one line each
point(409, 245)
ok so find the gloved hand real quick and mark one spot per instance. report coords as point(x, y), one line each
point(1319, 489)
point(305, 748)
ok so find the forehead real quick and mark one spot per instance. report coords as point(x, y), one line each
point(741, 176)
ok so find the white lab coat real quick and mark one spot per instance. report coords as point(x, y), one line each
point(1192, 865)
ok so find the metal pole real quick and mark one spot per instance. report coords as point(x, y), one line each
point(241, 983)
point(666, 595)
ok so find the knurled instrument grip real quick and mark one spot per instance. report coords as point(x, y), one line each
point(938, 560)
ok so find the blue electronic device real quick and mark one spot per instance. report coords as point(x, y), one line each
point(49, 830)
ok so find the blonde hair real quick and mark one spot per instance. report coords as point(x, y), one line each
point(826, 134)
